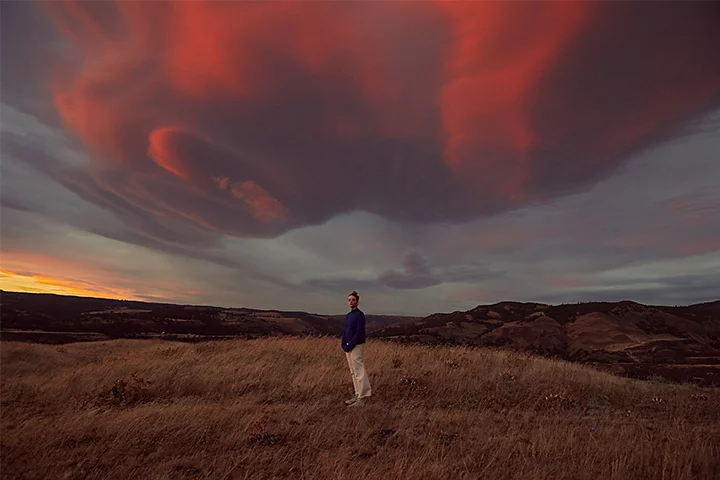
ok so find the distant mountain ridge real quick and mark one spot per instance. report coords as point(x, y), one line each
point(680, 343)
point(135, 319)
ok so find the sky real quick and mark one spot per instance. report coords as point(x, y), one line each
point(433, 156)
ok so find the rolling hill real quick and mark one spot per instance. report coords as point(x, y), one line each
point(678, 343)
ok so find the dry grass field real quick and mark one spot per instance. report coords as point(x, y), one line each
point(273, 408)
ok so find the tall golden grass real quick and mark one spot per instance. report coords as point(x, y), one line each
point(273, 408)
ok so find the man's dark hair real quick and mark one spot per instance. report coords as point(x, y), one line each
point(354, 294)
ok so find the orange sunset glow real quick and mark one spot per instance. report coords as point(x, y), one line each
point(35, 284)
point(27, 272)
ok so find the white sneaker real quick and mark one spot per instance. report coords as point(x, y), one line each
point(351, 401)
point(357, 403)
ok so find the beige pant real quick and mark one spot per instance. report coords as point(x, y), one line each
point(361, 382)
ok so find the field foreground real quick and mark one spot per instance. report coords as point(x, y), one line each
point(273, 408)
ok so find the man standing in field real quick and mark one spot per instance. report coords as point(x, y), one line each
point(353, 340)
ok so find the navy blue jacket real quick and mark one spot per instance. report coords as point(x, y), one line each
point(354, 333)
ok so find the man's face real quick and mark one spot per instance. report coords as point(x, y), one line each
point(352, 302)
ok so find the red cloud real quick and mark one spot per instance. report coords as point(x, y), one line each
point(500, 54)
point(162, 152)
point(263, 206)
point(419, 111)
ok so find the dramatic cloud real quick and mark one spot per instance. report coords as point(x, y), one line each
point(469, 151)
point(250, 119)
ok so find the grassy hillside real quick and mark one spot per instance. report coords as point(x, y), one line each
point(273, 408)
